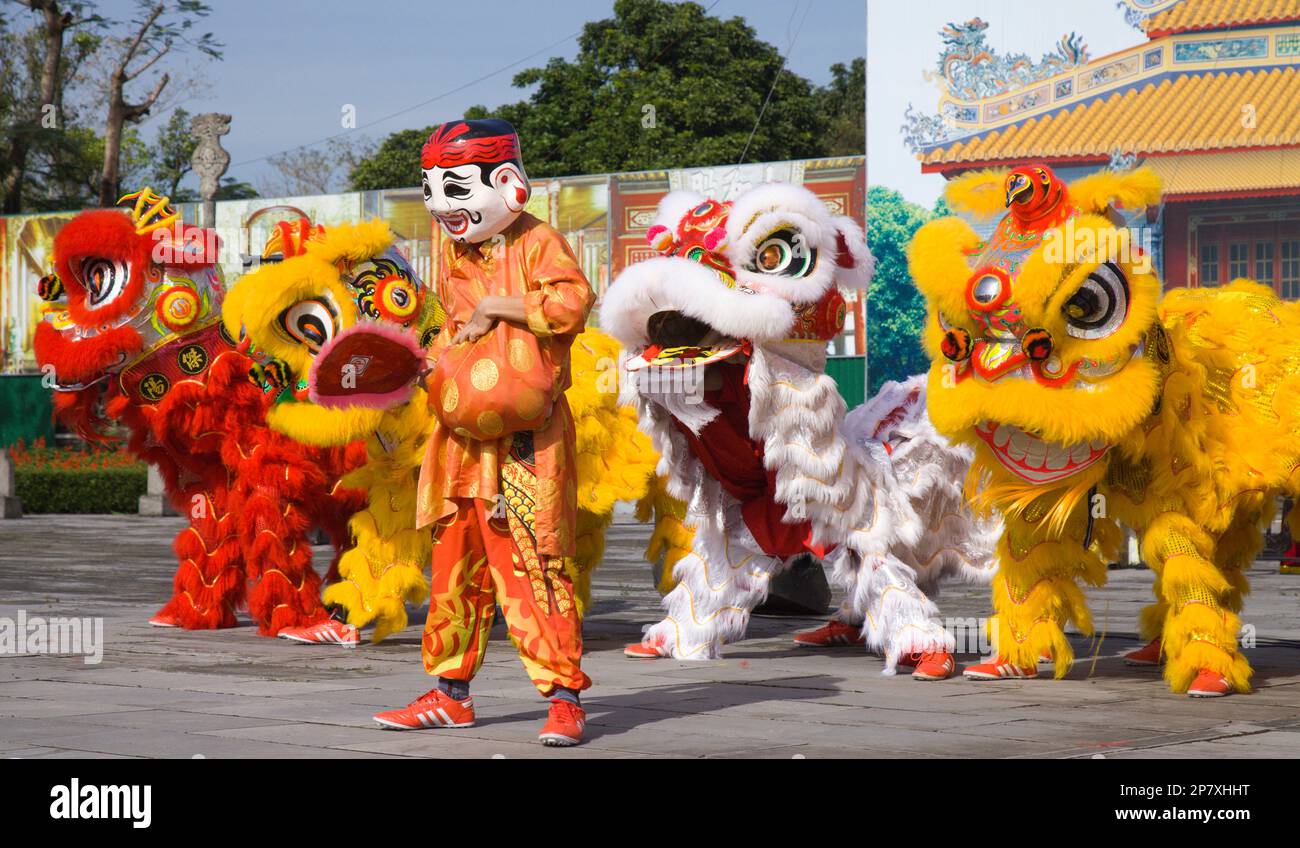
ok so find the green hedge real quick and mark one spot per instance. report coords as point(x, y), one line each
point(80, 490)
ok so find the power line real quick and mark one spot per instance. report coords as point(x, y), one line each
point(415, 106)
point(775, 79)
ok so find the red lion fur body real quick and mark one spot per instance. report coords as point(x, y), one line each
point(250, 495)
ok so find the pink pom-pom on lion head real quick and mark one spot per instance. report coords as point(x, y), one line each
point(716, 238)
point(659, 237)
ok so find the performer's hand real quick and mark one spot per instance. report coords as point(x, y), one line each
point(478, 325)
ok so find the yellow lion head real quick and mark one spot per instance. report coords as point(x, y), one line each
point(315, 286)
point(1044, 337)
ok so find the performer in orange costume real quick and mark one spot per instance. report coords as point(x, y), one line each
point(499, 484)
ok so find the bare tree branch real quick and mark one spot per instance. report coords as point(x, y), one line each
point(134, 44)
point(147, 65)
point(142, 108)
point(154, 38)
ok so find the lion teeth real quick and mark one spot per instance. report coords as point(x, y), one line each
point(1019, 446)
point(1057, 458)
point(1036, 454)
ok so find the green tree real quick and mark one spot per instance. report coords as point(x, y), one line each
point(658, 85)
point(169, 157)
point(844, 103)
point(39, 65)
point(394, 164)
point(233, 189)
point(895, 309)
point(664, 85)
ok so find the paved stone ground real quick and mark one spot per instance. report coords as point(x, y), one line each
point(166, 693)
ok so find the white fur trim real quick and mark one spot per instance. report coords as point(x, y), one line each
point(674, 205)
point(757, 214)
point(818, 236)
point(724, 577)
point(864, 264)
point(669, 283)
point(929, 471)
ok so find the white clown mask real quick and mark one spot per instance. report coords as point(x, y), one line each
point(474, 182)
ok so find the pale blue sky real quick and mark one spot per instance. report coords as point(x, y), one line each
point(903, 42)
point(290, 65)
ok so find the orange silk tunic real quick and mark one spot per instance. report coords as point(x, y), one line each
point(533, 261)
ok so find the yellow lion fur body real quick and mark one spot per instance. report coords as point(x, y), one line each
point(616, 461)
point(1203, 424)
point(384, 569)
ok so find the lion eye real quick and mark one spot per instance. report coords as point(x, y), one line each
point(104, 279)
point(312, 322)
point(784, 252)
point(1100, 305)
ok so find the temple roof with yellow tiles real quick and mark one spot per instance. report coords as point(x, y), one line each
point(1213, 76)
point(1200, 15)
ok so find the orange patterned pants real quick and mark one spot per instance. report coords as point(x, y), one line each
point(483, 557)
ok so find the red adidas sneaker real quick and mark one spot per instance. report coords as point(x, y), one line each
point(164, 619)
point(833, 633)
point(933, 665)
point(434, 708)
point(1209, 684)
point(564, 724)
point(652, 650)
point(999, 669)
point(328, 632)
point(1148, 654)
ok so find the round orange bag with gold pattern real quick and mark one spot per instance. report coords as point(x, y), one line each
point(500, 384)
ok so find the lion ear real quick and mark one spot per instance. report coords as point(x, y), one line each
point(854, 263)
point(674, 205)
point(1116, 190)
point(981, 194)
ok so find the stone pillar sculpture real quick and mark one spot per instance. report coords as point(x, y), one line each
point(10, 505)
point(154, 501)
point(210, 160)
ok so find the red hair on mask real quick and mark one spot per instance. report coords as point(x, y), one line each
point(447, 147)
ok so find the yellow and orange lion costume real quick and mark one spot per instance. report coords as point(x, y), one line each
point(1094, 402)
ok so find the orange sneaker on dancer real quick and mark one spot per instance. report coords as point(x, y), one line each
point(328, 632)
point(434, 708)
point(164, 619)
point(1209, 684)
point(651, 650)
point(999, 669)
point(1148, 654)
point(931, 665)
point(564, 724)
point(832, 634)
